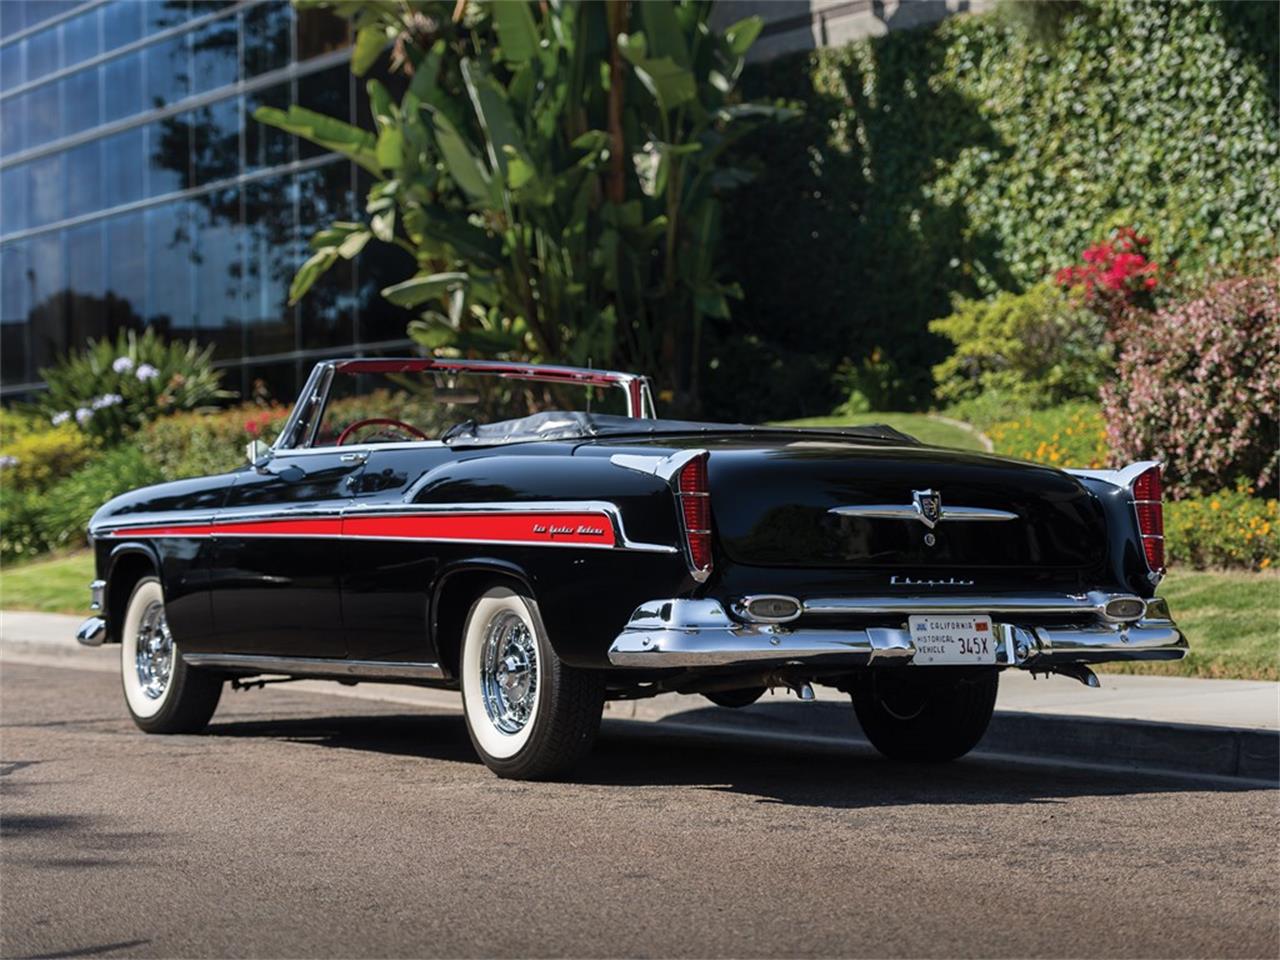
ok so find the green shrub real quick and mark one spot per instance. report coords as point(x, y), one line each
point(1039, 348)
point(112, 388)
point(966, 159)
point(21, 536)
point(1070, 435)
point(202, 444)
point(38, 458)
point(1232, 528)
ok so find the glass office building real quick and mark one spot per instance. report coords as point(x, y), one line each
point(137, 190)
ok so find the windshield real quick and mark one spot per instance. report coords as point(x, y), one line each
point(374, 407)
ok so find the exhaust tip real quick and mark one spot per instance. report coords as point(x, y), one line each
point(771, 608)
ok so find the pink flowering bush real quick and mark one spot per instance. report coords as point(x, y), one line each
point(1196, 386)
point(1115, 276)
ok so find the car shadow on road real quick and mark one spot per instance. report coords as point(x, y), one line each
point(834, 775)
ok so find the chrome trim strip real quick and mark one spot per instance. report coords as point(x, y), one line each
point(695, 634)
point(97, 590)
point(92, 632)
point(317, 666)
point(1122, 478)
point(1093, 603)
point(891, 511)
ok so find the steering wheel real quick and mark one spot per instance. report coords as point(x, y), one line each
point(381, 422)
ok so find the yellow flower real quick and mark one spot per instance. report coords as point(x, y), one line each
point(1266, 562)
point(1053, 457)
point(1215, 505)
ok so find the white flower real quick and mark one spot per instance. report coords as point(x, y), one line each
point(122, 365)
point(8, 461)
point(107, 400)
point(58, 419)
point(147, 372)
point(83, 415)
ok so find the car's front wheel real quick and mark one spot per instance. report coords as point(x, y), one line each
point(163, 693)
point(924, 714)
point(530, 716)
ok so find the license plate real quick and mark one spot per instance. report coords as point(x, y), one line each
point(952, 640)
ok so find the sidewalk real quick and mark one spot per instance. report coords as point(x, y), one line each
point(1213, 727)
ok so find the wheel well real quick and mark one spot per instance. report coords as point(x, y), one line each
point(125, 574)
point(454, 597)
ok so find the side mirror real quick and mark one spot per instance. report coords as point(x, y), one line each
point(256, 450)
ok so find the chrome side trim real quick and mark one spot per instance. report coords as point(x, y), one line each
point(694, 634)
point(92, 632)
point(664, 468)
point(317, 666)
point(161, 518)
point(1093, 603)
point(892, 511)
point(97, 595)
point(1122, 478)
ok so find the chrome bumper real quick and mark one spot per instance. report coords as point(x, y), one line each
point(699, 633)
point(92, 632)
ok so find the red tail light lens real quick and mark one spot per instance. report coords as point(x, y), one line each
point(1147, 493)
point(695, 512)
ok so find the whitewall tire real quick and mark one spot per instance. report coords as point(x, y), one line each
point(529, 715)
point(163, 693)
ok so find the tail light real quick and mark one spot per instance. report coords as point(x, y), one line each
point(694, 498)
point(1147, 502)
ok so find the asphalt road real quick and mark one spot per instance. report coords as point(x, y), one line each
point(303, 824)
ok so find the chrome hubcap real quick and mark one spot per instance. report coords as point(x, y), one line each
point(509, 672)
point(154, 657)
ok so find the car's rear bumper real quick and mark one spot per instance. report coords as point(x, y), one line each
point(693, 634)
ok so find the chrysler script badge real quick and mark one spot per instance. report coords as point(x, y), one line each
point(928, 505)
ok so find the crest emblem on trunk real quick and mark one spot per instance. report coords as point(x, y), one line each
point(928, 505)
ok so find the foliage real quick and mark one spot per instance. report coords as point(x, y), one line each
point(202, 444)
point(1039, 348)
point(964, 159)
point(556, 170)
point(1231, 528)
point(37, 521)
point(56, 585)
point(868, 385)
point(1070, 435)
point(1196, 387)
point(1115, 276)
point(112, 388)
point(40, 457)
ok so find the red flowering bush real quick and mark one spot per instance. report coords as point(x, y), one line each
point(1196, 386)
point(1115, 275)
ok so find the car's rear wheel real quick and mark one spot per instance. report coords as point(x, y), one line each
point(530, 716)
point(923, 714)
point(163, 693)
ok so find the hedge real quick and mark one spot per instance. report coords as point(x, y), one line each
point(966, 158)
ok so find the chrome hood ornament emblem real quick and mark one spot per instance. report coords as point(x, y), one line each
point(928, 505)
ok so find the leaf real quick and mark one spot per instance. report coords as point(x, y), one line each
point(383, 225)
point(380, 104)
point(741, 35)
point(310, 272)
point(417, 290)
point(517, 33)
point(369, 44)
point(464, 166)
point(326, 132)
point(353, 244)
point(670, 84)
point(390, 148)
point(425, 86)
point(663, 31)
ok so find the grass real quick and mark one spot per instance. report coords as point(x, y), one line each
point(57, 585)
point(919, 425)
point(1232, 619)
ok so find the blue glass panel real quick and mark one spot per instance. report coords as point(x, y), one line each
point(84, 179)
point(169, 155)
point(215, 140)
point(127, 270)
point(44, 53)
point(268, 31)
point(48, 185)
point(15, 301)
point(164, 14)
point(220, 275)
point(80, 38)
point(216, 54)
point(44, 106)
point(122, 23)
point(269, 263)
point(123, 87)
point(124, 165)
point(169, 243)
point(326, 316)
point(80, 109)
point(13, 201)
point(266, 146)
point(168, 72)
point(12, 62)
point(48, 311)
point(13, 123)
point(86, 283)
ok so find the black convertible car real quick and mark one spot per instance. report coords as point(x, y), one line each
point(534, 537)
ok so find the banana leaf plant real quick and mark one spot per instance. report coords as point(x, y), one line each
point(556, 170)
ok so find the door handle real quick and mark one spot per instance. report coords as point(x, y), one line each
point(353, 457)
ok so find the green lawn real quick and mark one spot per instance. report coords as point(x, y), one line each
point(919, 425)
point(1231, 619)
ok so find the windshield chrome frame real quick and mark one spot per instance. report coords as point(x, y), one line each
point(314, 397)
